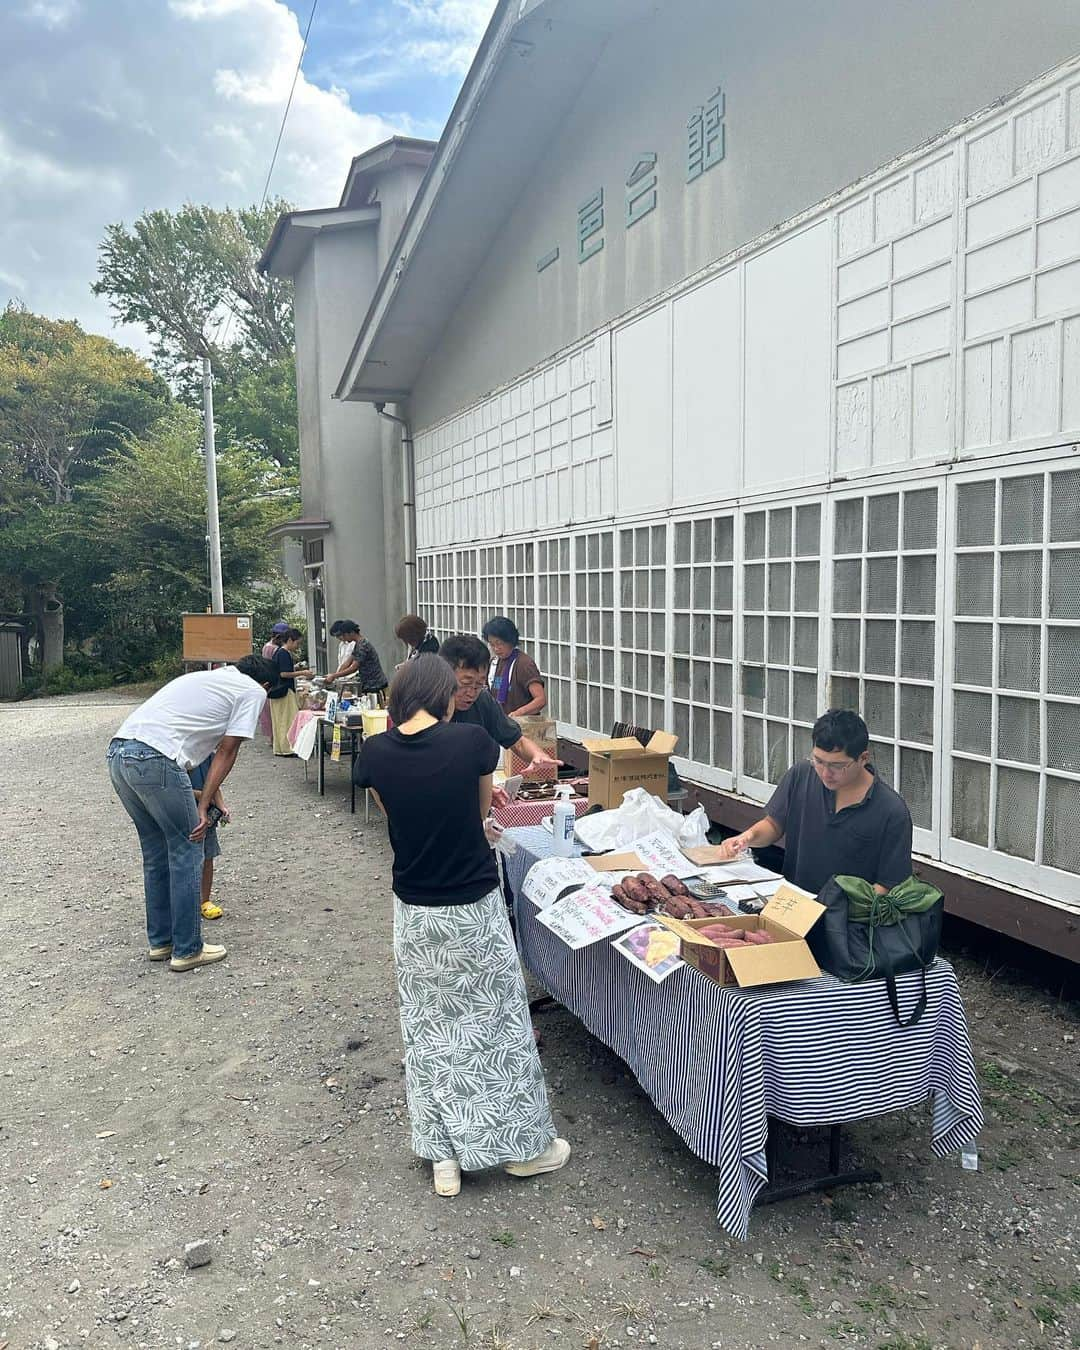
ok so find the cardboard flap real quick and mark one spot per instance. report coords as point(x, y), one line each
point(662, 743)
point(682, 929)
point(794, 909)
point(616, 862)
point(614, 745)
point(772, 964)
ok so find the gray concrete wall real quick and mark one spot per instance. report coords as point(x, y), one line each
point(396, 192)
point(816, 97)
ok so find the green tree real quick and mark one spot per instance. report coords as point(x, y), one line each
point(66, 398)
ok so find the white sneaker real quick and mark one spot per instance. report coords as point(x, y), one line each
point(210, 953)
point(447, 1177)
point(556, 1155)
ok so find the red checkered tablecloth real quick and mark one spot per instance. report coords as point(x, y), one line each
point(532, 813)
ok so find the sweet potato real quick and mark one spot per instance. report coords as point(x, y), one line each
point(759, 939)
point(618, 894)
point(674, 885)
point(634, 890)
point(677, 907)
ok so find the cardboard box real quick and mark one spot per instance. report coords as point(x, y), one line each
point(788, 917)
point(216, 637)
point(619, 764)
point(540, 730)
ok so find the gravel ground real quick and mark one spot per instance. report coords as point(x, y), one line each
point(258, 1105)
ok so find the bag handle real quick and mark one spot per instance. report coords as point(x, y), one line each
point(920, 1006)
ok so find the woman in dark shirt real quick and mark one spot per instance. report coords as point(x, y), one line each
point(281, 696)
point(473, 1079)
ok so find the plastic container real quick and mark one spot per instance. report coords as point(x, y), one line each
point(374, 720)
point(563, 820)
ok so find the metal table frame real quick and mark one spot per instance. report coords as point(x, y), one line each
point(356, 736)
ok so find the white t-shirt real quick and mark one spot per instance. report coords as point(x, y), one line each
point(344, 651)
point(186, 719)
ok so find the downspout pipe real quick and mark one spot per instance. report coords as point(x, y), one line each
point(408, 493)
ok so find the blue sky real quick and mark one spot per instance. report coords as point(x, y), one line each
point(109, 108)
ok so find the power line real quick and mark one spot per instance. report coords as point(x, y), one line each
point(288, 105)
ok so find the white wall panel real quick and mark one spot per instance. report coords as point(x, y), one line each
point(643, 412)
point(707, 385)
point(786, 387)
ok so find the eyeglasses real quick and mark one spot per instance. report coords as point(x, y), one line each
point(832, 767)
point(471, 686)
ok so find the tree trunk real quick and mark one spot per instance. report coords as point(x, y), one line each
point(50, 614)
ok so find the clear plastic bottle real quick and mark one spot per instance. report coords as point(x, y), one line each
point(563, 820)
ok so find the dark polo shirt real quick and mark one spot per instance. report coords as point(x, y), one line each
point(486, 713)
point(871, 839)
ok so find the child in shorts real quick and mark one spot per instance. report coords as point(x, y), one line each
point(211, 843)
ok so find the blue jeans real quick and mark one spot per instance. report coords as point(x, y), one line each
point(157, 795)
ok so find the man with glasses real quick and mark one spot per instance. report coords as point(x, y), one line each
point(471, 661)
point(837, 818)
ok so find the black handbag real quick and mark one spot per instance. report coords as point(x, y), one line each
point(866, 936)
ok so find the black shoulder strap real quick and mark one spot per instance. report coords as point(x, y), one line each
point(920, 1006)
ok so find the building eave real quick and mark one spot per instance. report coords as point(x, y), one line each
point(295, 232)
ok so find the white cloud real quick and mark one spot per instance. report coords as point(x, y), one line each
point(446, 32)
point(112, 107)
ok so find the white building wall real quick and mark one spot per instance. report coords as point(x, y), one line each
point(838, 470)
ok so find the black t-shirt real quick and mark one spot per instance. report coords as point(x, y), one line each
point(871, 839)
point(429, 785)
point(281, 660)
point(486, 713)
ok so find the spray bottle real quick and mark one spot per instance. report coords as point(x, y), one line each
point(563, 820)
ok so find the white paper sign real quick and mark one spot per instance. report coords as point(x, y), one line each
point(662, 856)
point(549, 876)
point(748, 871)
point(587, 916)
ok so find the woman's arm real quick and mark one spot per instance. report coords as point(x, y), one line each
point(347, 669)
point(485, 796)
point(538, 704)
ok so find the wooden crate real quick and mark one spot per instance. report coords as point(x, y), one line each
point(216, 637)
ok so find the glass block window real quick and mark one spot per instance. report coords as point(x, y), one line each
point(468, 620)
point(643, 619)
point(520, 594)
point(1015, 752)
point(552, 649)
point(882, 659)
point(778, 672)
point(489, 581)
point(594, 632)
point(702, 643)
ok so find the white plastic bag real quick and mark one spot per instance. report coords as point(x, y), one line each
point(640, 814)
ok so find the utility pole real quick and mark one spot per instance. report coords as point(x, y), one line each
point(213, 530)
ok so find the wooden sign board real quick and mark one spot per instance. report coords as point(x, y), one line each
point(216, 637)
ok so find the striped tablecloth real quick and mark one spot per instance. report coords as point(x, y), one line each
point(717, 1062)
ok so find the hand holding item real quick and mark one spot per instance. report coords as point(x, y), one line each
point(731, 848)
point(500, 797)
point(492, 830)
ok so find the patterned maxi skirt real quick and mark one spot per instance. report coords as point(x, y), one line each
point(473, 1079)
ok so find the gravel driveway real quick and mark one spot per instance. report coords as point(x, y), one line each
point(258, 1105)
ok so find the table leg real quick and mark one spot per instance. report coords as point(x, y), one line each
point(832, 1180)
point(352, 774)
point(321, 745)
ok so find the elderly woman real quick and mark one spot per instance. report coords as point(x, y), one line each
point(473, 1079)
point(515, 679)
point(416, 635)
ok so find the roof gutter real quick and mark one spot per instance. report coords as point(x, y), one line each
point(495, 38)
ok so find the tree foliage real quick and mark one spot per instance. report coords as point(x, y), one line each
point(66, 397)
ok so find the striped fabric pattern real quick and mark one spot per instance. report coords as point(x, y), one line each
point(716, 1062)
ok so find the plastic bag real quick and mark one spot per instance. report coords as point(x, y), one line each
point(640, 814)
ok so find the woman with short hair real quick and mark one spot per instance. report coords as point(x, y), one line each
point(514, 678)
point(414, 632)
point(473, 1081)
point(282, 695)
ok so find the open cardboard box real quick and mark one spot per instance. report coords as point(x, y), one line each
point(788, 917)
point(617, 764)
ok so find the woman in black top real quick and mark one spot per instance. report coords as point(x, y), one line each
point(417, 636)
point(281, 696)
point(473, 1079)
point(362, 661)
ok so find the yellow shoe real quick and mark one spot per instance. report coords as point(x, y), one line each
point(211, 911)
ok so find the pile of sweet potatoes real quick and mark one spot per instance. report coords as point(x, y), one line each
point(724, 936)
point(643, 894)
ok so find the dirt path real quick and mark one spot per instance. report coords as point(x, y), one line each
point(259, 1104)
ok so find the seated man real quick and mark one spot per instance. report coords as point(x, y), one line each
point(836, 816)
point(206, 712)
point(471, 659)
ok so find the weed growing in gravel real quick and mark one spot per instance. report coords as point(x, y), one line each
point(716, 1265)
point(504, 1238)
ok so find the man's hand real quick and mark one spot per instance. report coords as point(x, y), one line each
point(499, 797)
point(199, 832)
point(542, 760)
point(731, 848)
